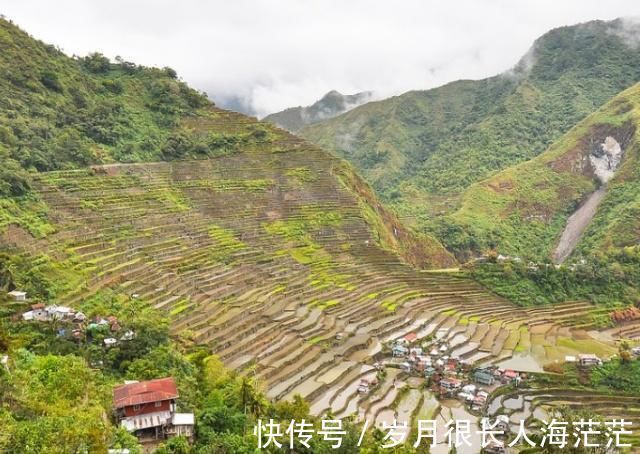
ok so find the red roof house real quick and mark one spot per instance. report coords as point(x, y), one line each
point(148, 408)
point(135, 397)
point(411, 337)
point(509, 375)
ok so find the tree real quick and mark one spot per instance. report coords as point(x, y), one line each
point(96, 63)
point(624, 351)
point(176, 445)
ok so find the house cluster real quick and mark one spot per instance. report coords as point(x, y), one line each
point(148, 410)
point(430, 360)
point(43, 313)
point(76, 324)
point(471, 393)
point(489, 376)
point(112, 327)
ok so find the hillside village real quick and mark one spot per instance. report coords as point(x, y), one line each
point(172, 273)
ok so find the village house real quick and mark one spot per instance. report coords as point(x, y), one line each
point(17, 295)
point(181, 425)
point(37, 312)
point(484, 377)
point(495, 447)
point(501, 423)
point(589, 360)
point(43, 313)
point(148, 410)
point(410, 338)
point(479, 400)
point(399, 351)
point(450, 384)
point(510, 376)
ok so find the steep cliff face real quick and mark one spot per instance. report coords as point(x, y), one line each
point(606, 159)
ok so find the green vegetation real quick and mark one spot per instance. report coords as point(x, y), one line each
point(618, 375)
point(189, 255)
point(62, 113)
point(56, 392)
point(605, 279)
point(523, 210)
point(423, 149)
point(300, 228)
point(79, 226)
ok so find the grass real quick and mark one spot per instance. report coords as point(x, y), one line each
point(301, 174)
point(29, 213)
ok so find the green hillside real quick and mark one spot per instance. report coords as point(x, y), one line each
point(62, 113)
point(257, 269)
point(523, 210)
point(126, 194)
point(530, 212)
point(420, 150)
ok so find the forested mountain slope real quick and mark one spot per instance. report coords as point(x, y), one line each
point(524, 209)
point(126, 194)
point(329, 106)
point(421, 150)
point(63, 113)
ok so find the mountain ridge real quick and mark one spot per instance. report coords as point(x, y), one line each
point(422, 149)
point(61, 113)
point(330, 105)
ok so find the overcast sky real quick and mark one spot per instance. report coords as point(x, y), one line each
point(281, 53)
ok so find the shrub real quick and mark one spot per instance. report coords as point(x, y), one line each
point(50, 80)
point(96, 63)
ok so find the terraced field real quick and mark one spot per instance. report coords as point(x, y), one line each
point(536, 405)
point(275, 260)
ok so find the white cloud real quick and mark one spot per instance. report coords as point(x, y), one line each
point(281, 53)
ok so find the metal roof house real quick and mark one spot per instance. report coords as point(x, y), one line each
point(484, 377)
point(148, 409)
point(17, 295)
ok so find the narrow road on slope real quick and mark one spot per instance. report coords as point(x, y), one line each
point(576, 225)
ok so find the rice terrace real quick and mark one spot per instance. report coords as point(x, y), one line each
point(173, 271)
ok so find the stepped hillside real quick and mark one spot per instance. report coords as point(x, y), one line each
point(63, 113)
point(420, 150)
point(268, 259)
point(332, 104)
point(252, 244)
point(591, 173)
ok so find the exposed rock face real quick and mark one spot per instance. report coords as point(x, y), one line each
point(576, 225)
point(606, 159)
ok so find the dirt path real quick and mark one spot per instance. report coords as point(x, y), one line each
point(576, 225)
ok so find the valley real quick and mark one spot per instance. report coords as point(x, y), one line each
point(268, 259)
point(150, 239)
